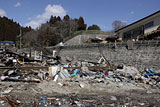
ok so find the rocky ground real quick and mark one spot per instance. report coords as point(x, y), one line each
point(78, 92)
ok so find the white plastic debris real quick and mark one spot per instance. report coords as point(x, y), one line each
point(81, 85)
point(60, 84)
point(56, 77)
point(8, 90)
point(113, 98)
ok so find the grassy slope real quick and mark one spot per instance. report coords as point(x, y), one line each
point(85, 32)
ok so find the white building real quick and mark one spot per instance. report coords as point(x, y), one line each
point(140, 27)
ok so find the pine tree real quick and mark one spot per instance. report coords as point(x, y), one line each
point(53, 20)
point(81, 25)
point(58, 18)
point(10, 29)
point(94, 27)
point(66, 18)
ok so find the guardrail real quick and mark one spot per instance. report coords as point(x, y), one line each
point(119, 44)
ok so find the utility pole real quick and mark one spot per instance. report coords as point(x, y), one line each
point(20, 37)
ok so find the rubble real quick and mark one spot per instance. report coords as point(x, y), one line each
point(71, 74)
point(106, 40)
point(11, 102)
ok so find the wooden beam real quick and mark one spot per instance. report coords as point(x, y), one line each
point(94, 67)
point(26, 67)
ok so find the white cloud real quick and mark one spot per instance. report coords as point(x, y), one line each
point(2, 12)
point(55, 10)
point(17, 4)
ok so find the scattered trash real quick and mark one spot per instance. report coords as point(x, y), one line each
point(149, 72)
point(81, 85)
point(113, 98)
point(8, 90)
point(56, 77)
point(67, 71)
point(11, 102)
point(75, 73)
point(43, 100)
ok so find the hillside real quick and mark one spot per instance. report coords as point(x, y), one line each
point(9, 29)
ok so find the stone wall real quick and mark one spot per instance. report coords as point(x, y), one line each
point(143, 54)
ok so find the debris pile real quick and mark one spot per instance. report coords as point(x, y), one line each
point(106, 40)
point(64, 71)
point(91, 100)
point(15, 67)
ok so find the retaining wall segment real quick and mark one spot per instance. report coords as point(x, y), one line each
point(143, 54)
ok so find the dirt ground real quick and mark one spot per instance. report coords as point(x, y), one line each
point(80, 93)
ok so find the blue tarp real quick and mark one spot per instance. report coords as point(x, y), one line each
point(75, 72)
point(149, 72)
point(9, 42)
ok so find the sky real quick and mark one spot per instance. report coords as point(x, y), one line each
point(100, 12)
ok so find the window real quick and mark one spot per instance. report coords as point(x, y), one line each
point(137, 32)
point(148, 25)
point(132, 34)
point(127, 35)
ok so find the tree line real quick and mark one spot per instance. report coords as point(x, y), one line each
point(9, 30)
point(56, 30)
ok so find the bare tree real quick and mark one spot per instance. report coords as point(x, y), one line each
point(54, 31)
point(30, 38)
point(117, 24)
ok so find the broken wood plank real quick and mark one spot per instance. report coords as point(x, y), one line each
point(11, 102)
point(94, 67)
point(26, 67)
point(21, 80)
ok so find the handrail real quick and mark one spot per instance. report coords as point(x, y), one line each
point(118, 44)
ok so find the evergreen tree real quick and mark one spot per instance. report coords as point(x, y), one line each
point(94, 27)
point(66, 18)
point(53, 20)
point(55, 30)
point(9, 30)
point(58, 18)
point(81, 24)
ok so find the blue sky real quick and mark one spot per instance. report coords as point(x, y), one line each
point(100, 12)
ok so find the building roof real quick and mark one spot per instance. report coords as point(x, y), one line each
point(9, 42)
point(138, 21)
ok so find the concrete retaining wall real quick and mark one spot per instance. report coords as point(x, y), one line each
point(80, 39)
point(143, 54)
